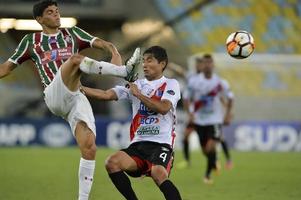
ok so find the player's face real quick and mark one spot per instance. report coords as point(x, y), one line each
point(199, 66)
point(50, 17)
point(152, 68)
point(208, 65)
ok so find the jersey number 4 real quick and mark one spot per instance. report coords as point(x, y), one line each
point(163, 156)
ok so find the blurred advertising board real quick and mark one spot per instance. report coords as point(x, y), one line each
point(242, 136)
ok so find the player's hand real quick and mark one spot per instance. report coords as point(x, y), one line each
point(134, 89)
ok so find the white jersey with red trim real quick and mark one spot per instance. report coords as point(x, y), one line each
point(148, 125)
point(205, 95)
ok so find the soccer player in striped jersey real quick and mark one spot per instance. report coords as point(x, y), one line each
point(152, 133)
point(55, 53)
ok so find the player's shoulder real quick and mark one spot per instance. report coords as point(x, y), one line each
point(195, 78)
point(222, 80)
point(29, 36)
point(70, 29)
point(140, 81)
point(172, 81)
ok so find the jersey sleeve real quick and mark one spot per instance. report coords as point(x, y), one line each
point(122, 92)
point(172, 92)
point(227, 92)
point(22, 52)
point(84, 39)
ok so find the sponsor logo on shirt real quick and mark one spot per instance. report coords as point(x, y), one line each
point(56, 55)
point(149, 120)
point(145, 111)
point(148, 130)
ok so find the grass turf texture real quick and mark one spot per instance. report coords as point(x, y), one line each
point(51, 174)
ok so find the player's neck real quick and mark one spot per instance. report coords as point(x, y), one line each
point(154, 78)
point(50, 31)
point(208, 75)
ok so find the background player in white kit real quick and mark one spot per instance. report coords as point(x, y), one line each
point(205, 91)
point(154, 100)
point(55, 54)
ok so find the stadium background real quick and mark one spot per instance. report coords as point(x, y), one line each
point(267, 86)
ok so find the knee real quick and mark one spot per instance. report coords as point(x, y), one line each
point(159, 175)
point(112, 164)
point(76, 59)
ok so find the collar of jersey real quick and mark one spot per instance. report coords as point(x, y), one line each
point(51, 35)
point(160, 80)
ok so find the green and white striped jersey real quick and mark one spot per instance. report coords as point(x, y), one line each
point(49, 52)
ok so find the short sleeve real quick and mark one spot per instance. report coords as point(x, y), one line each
point(122, 92)
point(22, 52)
point(172, 92)
point(84, 39)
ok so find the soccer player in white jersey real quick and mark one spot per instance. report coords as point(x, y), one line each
point(152, 133)
point(206, 91)
point(55, 53)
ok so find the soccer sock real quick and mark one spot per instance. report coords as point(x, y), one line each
point(170, 191)
point(85, 176)
point(91, 66)
point(123, 184)
point(225, 149)
point(186, 150)
point(211, 157)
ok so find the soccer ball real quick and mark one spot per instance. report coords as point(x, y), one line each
point(240, 44)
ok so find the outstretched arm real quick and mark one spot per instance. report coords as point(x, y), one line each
point(100, 94)
point(102, 44)
point(6, 68)
point(161, 106)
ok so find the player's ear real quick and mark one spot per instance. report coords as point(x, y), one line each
point(163, 65)
point(39, 19)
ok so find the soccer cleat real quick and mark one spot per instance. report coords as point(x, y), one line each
point(132, 66)
point(208, 181)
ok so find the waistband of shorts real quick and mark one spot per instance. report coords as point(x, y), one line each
point(153, 143)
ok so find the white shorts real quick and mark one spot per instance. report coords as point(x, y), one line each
point(72, 106)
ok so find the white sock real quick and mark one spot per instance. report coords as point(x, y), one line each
point(85, 176)
point(91, 66)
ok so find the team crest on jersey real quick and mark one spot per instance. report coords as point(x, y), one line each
point(67, 38)
point(171, 92)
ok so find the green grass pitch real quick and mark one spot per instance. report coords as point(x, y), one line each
point(51, 174)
